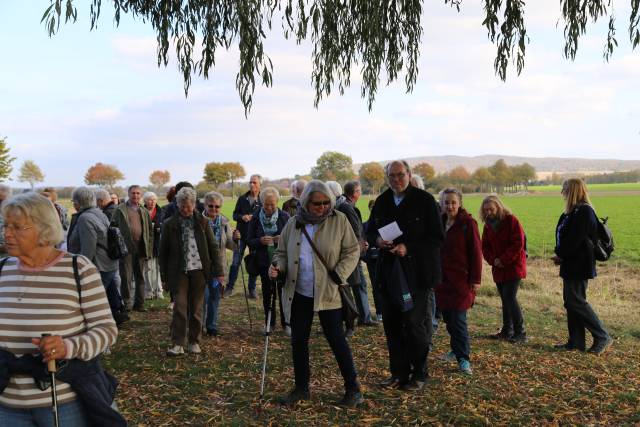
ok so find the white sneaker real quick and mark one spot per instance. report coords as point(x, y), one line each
point(287, 330)
point(176, 350)
point(170, 306)
point(194, 349)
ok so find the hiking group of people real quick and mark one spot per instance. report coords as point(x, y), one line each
point(63, 295)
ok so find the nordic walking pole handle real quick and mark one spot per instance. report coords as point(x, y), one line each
point(51, 364)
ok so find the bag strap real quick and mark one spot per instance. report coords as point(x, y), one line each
point(3, 261)
point(332, 274)
point(76, 275)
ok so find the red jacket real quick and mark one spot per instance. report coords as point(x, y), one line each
point(507, 244)
point(461, 264)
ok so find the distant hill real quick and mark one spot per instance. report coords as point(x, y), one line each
point(544, 165)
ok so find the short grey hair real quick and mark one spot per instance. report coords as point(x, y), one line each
point(41, 211)
point(257, 176)
point(133, 187)
point(393, 162)
point(102, 195)
point(297, 187)
point(335, 188)
point(149, 195)
point(416, 181)
point(213, 195)
point(350, 188)
point(446, 191)
point(186, 194)
point(316, 186)
point(269, 191)
point(5, 190)
point(85, 197)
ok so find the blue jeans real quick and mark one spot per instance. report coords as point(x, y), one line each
point(457, 327)
point(238, 256)
point(110, 281)
point(211, 304)
point(361, 296)
point(70, 414)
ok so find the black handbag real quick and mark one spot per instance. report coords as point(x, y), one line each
point(398, 287)
point(252, 264)
point(350, 311)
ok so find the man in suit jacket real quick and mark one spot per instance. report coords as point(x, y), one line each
point(418, 252)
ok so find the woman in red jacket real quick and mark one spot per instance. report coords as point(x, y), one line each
point(503, 247)
point(461, 273)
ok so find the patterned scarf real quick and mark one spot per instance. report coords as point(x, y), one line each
point(305, 217)
point(269, 224)
point(186, 230)
point(216, 227)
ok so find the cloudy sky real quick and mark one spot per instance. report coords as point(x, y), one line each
point(83, 97)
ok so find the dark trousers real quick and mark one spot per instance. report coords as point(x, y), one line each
point(331, 321)
point(375, 287)
point(268, 288)
point(130, 273)
point(457, 327)
point(408, 335)
point(580, 315)
point(238, 256)
point(111, 289)
point(512, 321)
point(361, 296)
point(187, 307)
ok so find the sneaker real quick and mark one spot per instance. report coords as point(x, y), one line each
point(194, 348)
point(212, 333)
point(370, 322)
point(520, 338)
point(107, 351)
point(600, 346)
point(253, 295)
point(296, 395)
point(567, 347)
point(465, 366)
point(170, 306)
point(228, 291)
point(379, 317)
point(448, 357)
point(176, 350)
point(351, 399)
point(287, 330)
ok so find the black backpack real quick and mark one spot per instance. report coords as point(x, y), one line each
point(116, 246)
point(603, 244)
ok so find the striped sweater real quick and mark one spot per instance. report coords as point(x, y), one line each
point(45, 300)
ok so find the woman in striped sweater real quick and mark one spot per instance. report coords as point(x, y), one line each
point(39, 295)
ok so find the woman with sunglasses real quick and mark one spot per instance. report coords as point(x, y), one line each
point(310, 287)
point(262, 238)
point(226, 239)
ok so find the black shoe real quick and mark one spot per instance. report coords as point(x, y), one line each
point(351, 399)
point(600, 346)
point(253, 295)
point(212, 333)
point(368, 323)
point(520, 338)
point(294, 396)
point(120, 317)
point(502, 335)
point(391, 382)
point(140, 309)
point(413, 385)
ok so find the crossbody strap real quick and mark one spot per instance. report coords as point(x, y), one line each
point(332, 274)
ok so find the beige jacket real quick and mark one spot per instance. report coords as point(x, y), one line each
point(337, 242)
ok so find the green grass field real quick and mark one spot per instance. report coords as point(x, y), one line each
point(594, 188)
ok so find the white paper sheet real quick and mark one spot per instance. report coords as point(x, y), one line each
point(390, 231)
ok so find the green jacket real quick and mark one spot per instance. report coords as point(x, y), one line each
point(171, 257)
point(120, 219)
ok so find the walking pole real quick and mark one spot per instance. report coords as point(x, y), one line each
point(51, 368)
point(267, 333)
point(246, 297)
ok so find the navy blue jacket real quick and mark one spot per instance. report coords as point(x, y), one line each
point(574, 233)
point(244, 207)
point(256, 231)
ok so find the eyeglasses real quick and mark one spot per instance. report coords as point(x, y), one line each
point(322, 203)
point(16, 229)
point(214, 206)
point(397, 175)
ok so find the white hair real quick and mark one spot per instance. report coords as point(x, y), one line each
point(269, 191)
point(416, 181)
point(149, 195)
point(41, 211)
point(297, 187)
point(213, 195)
point(103, 195)
point(335, 188)
point(316, 186)
point(186, 194)
point(85, 197)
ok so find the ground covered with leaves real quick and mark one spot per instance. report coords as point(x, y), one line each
point(523, 384)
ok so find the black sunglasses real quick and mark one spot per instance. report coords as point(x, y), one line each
point(213, 206)
point(323, 203)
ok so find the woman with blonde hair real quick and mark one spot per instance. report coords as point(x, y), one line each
point(503, 247)
point(575, 233)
